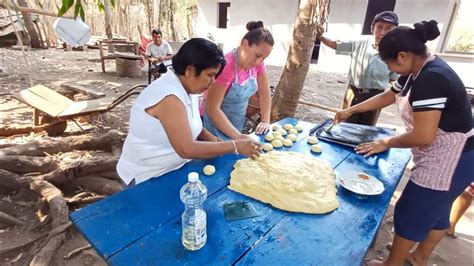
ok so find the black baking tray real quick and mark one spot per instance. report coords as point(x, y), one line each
point(350, 134)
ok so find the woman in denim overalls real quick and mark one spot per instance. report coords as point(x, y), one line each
point(225, 107)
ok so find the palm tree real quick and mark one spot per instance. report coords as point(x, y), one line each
point(311, 18)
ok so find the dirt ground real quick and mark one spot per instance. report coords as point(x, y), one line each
point(53, 67)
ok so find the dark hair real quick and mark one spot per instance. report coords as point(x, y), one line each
point(157, 32)
point(406, 39)
point(201, 54)
point(257, 33)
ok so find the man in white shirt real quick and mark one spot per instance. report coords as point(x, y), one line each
point(159, 53)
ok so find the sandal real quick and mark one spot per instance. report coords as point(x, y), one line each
point(451, 235)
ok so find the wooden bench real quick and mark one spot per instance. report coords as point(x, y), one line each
point(108, 55)
point(84, 90)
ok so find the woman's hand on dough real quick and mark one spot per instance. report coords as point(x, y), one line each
point(245, 136)
point(371, 148)
point(262, 128)
point(248, 147)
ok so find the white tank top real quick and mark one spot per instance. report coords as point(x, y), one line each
point(147, 151)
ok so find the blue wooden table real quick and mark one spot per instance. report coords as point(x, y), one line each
point(142, 225)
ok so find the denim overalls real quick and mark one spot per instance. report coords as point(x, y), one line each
point(235, 102)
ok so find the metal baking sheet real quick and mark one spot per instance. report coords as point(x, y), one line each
point(351, 134)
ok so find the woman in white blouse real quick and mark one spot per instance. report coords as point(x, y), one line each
point(165, 126)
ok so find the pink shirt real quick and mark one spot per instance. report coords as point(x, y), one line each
point(227, 76)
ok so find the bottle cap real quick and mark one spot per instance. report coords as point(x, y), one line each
point(193, 177)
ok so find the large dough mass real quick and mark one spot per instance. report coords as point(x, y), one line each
point(289, 181)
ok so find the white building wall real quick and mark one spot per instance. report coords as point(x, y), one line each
point(277, 15)
point(411, 12)
point(347, 17)
point(346, 20)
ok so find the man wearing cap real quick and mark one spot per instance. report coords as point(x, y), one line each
point(368, 74)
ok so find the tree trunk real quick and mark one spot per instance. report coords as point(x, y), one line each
point(10, 181)
point(164, 7)
point(125, 22)
point(58, 211)
point(156, 13)
point(94, 178)
point(118, 14)
point(108, 24)
point(160, 14)
point(98, 184)
point(149, 12)
point(108, 20)
point(27, 164)
point(105, 142)
point(172, 10)
point(310, 16)
point(30, 26)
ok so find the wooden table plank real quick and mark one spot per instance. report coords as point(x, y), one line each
point(83, 89)
point(341, 237)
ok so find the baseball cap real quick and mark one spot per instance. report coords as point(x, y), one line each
point(387, 16)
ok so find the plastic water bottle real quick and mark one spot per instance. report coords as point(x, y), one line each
point(193, 194)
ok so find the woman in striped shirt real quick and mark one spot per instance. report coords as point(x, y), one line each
point(434, 106)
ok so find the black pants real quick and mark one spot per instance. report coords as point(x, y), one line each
point(354, 96)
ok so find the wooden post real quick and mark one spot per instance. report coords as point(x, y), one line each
point(36, 115)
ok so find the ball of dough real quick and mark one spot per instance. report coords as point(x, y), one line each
point(293, 137)
point(209, 169)
point(299, 128)
point(288, 126)
point(279, 137)
point(312, 140)
point(277, 143)
point(267, 147)
point(316, 148)
point(287, 142)
point(269, 137)
point(293, 131)
point(283, 132)
point(276, 134)
point(276, 127)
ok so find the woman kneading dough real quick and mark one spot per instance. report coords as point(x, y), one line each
point(245, 75)
point(165, 126)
